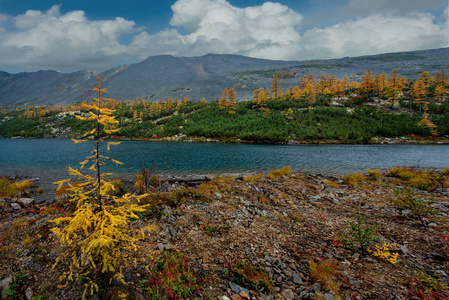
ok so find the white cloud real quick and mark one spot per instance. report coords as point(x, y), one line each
point(215, 26)
point(70, 41)
point(60, 41)
point(375, 34)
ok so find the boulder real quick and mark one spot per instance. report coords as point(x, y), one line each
point(25, 202)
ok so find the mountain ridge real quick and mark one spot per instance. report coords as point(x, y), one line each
point(165, 76)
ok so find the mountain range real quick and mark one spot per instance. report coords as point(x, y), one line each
point(160, 77)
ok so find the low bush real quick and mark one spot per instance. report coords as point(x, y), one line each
point(353, 179)
point(277, 173)
point(325, 272)
point(374, 173)
point(247, 275)
point(420, 179)
point(170, 278)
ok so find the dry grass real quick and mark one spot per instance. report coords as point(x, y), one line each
point(14, 189)
point(277, 173)
point(421, 179)
point(253, 179)
point(208, 188)
point(374, 173)
point(353, 179)
point(331, 184)
point(325, 272)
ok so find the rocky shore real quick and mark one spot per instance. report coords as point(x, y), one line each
point(295, 236)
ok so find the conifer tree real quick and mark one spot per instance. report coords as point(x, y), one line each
point(97, 238)
point(231, 101)
point(276, 87)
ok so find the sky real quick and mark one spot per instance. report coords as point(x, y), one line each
point(71, 35)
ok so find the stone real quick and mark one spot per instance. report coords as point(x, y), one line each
point(25, 202)
point(404, 249)
point(288, 294)
point(244, 295)
point(316, 287)
point(172, 231)
point(4, 284)
point(328, 296)
point(237, 288)
point(297, 279)
point(314, 198)
point(236, 297)
point(29, 293)
point(15, 206)
point(355, 284)
point(433, 224)
point(406, 212)
point(169, 247)
point(218, 195)
point(224, 298)
point(160, 247)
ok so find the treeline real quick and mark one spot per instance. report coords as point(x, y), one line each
point(326, 109)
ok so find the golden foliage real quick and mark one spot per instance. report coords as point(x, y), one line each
point(97, 237)
point(353, 179)
point(325, 272)
point(277, 173)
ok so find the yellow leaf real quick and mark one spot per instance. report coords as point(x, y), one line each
point(113, 143)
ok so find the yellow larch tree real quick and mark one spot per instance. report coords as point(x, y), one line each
point(222, 103)
point(97, 237)
point(366, 85)
point(419, 93)
point(276, 87)
point(231, 101)
point(395, 85)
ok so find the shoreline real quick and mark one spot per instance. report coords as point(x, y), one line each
point(282, 224)
point(185, 139)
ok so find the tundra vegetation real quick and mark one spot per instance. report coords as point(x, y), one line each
point(279, 233)
point(325, 109)
point(374, 235)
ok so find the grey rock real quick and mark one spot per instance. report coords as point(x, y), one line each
point(160, 247)
point(406, 212)
point(316, 287)
point(25, 202)
point(172, 231)
point(15, 206)
point(4, 284)
point(404, 249)
point(355, 283)
point(288, 294)
point(169, 247)
point(218, 195)
point(314, 198)
point(29, 293)
point(288, 272)
point(328, 296)
point(297, 279)
point(433, 224)
point(236, 289)
point(223, 298)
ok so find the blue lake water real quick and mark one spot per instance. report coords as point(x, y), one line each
point(48, 159)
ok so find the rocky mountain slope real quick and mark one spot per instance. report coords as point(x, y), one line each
point(160, 77)
point(291, 229)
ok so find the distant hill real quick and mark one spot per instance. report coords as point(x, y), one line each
point(160, 77)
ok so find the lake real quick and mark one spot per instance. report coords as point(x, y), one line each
point(48, 159)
